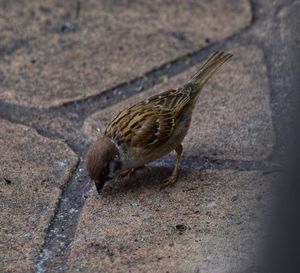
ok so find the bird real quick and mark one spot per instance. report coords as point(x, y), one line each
point(149, 129)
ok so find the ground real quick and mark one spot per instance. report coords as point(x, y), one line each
point(67, 67)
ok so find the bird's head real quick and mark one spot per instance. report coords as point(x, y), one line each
point(102, 161)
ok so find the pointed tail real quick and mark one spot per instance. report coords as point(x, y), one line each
point(209, 68)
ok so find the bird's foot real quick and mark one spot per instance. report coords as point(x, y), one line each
point(129, 172)
point(126, 173)
point(171, 180)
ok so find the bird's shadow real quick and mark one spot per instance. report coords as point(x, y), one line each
point(147, 178)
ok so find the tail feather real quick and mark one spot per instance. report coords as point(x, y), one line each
point(209, 68)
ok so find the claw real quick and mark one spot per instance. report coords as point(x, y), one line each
point(126, 172)
point(172, 179)
point(130, 171)
point(169, 181)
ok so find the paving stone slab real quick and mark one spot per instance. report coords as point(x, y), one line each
point(210, 221)
point(232, 118)
point(33, 170)
point(289, 28)
point(49, 55)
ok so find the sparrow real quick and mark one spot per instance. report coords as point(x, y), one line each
point(149, 129)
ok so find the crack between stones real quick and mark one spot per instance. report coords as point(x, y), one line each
point(61, 230)
point(271, 74)
point(253, 7)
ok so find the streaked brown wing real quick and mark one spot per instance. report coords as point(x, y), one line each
point(148, 123)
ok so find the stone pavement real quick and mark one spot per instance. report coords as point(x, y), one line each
point(67, 67)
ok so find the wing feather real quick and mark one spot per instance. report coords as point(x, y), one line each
point(148, 123)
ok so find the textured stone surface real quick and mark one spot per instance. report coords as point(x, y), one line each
point(289, 30)
point(50, 56)
point(209, 222)
point(232, 118)
point(33, 169)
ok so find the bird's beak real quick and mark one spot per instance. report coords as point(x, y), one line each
point(99, 186)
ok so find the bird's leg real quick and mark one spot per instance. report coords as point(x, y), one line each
point(130, 171)
point(172, 179)
point(125, 172)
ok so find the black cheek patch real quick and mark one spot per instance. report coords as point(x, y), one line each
point(117, 165)
point(114, 166)
point(104, 175)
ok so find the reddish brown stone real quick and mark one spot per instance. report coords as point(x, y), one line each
point(33, 170)
point(208, 222)
point(50, 57)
